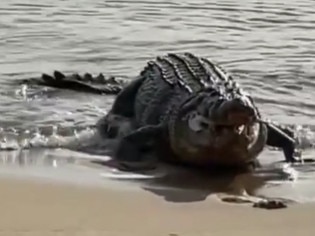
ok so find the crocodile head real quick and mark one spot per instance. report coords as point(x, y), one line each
point(218, 129)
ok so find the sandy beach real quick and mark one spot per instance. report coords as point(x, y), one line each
point(32, 207)
point(45, 193)
point(267, 47)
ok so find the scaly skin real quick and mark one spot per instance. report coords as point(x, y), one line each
point(160, 108)
point(166, 85)
point(86, 83)
point(157, 98)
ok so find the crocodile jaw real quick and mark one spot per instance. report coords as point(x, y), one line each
point(198, 140)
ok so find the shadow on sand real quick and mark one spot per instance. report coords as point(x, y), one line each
point(172, 183)
point(183, 184)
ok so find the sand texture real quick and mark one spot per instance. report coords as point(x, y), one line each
point(42, 208)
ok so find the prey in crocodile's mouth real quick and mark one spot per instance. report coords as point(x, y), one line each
point(238, 123)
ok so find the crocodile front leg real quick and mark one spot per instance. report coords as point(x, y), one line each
point(137, 151)
point(282, 138)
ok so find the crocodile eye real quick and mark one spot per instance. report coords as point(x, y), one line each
point(204, 125)
point(194, 122)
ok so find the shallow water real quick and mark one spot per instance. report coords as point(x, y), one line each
point(267, 45)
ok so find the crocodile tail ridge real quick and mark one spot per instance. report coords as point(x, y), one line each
point(76, 82)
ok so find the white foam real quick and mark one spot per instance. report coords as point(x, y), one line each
point(116, 174)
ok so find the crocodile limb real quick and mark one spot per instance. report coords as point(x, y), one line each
point(137, 150)
point(120, 118)
point(86, 83)
point(283, 138)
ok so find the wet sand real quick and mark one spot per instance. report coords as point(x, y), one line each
point(32, 207)
point(59, 195)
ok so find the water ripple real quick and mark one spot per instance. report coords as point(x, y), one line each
point(267, 45)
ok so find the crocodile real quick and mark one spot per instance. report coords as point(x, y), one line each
point(182, 109)
point(185, 110)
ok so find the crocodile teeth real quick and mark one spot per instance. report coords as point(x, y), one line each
point(240, 129)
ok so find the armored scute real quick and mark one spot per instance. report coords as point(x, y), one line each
point(186, 109)
point(183, 109)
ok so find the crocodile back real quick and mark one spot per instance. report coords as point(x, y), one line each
point(191, 95)
point(172, 79)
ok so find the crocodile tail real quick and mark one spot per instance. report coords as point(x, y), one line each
point(86, 83)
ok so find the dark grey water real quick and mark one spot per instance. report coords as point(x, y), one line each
point(267, 45)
